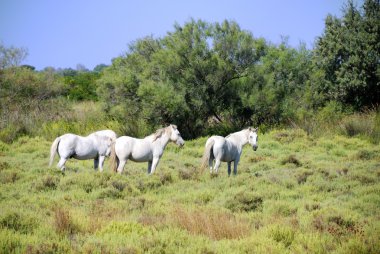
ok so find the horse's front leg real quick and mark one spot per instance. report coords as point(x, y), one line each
point(149, 167)
point(101, 162)
point(96, 163)
point(235, 165)
point(154, 164)
point(229, 168)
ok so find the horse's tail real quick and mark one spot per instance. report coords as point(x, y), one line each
point(53, 150)
point(207, 153)
point(114, 160)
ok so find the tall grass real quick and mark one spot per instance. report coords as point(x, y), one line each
point(332, 120)
point(213, 224)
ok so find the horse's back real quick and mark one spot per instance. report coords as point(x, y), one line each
point(218, 140)
point(107, 133)
point(82, 148)
point(69, 138)
point(124, 145)
point(133, 148)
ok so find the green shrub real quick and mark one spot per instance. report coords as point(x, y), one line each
point(11, 242)
point(357, 124)
point(110, 192)
point(3, 147)
point(292, 159)
point(11, 133)
point(245, 202)
point(149, 183)
point(302, 176)
point(282, 234)
point(364, 154)
point(189, 173)
point(19, 222)
point(8, 177)
point(126, 228)
point(165, 177)
point(119, 185)
point(48, 182)
point(375, 135)
point(281, 208)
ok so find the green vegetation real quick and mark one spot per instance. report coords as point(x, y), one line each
point(295, 194)
point(312, 186)
point(207, 78)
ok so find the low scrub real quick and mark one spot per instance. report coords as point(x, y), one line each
point(215, 225)
point(291, 159)
point(282, 234)
point(20, 222)
point(63, 222)
point(244, 202)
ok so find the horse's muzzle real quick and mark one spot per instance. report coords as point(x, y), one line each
point(254, 148)
point(180, 142)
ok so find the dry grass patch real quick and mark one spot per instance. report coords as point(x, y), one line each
point(213, 224)
point(63, 222)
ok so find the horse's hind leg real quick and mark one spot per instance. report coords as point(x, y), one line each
point(120, 168)
point(229, 168)
point(210, 162)
point(61, 164)
point(217, 164)
point(96, 163)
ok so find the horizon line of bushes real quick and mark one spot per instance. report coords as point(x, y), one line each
point(208, 78)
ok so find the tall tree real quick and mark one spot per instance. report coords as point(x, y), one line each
point(349, 54)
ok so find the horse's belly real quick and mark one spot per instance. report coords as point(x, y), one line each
point(86, 155)
point(228, 153)
point(226, 158)
point(141, 156)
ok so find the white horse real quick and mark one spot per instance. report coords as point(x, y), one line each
point(148, 149)
point(228, 149)
point(94, 146)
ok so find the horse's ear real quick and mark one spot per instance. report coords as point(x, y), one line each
point(173, 126)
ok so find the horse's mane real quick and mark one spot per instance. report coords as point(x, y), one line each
point(161, 131)
point(229, 135)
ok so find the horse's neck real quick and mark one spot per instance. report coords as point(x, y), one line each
point(239, 138)
point(163, 140)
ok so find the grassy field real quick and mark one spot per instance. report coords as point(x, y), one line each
point(295, 194)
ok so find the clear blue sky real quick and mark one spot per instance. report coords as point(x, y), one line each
point(64, 33)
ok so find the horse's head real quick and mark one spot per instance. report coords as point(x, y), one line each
point(252, 138)
point(175, 136)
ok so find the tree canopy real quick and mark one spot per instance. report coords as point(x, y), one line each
point(216, 77)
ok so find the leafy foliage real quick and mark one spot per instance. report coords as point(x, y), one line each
point(348, 54)
point(207, 78)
